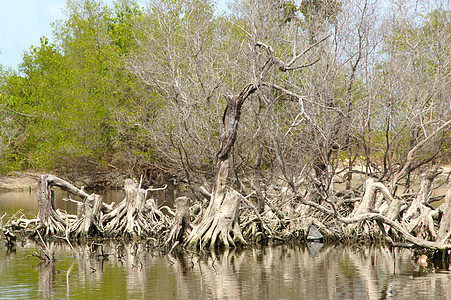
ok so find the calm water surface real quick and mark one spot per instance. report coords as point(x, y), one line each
point(133, 271)
point(284, 272)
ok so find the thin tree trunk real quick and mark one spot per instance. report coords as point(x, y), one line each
point(219, 224)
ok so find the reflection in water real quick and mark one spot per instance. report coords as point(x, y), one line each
point(112, 270)
point(46, 279)
point(314, 247)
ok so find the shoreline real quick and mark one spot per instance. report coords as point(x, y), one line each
point(18, 182)
point(28, 180)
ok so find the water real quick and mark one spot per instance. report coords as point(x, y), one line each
point(117, 271)
point(26, 201)
point(283, 272)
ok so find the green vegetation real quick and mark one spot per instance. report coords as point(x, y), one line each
point(133, 87)
point(67, 95)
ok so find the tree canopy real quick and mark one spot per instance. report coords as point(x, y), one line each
point(272, 103)
point(133, 87)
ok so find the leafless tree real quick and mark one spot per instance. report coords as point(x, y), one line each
point(321, 90)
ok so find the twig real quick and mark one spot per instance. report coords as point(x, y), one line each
point(47, 252)
point(157, 189)
point(401, 173)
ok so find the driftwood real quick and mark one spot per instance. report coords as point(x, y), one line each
point(10, 238)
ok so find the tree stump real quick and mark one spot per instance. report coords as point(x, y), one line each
point(444, 230)
point(221, 227)
point(50, 220)
point(368, 199)
point(181, 226)
point(134, 216)
point(418, 216)
point(88, 222)
point(135, 200)
point(55, 223)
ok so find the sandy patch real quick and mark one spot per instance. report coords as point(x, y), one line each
point(18, 182)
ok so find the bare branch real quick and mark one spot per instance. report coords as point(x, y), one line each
point(402, 172)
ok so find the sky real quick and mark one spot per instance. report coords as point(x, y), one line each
point(24, 22)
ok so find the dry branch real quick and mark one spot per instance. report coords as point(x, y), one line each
point(402, 172)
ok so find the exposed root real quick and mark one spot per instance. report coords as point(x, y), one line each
point(221, 228)
point(135, 216)
point(374, 214)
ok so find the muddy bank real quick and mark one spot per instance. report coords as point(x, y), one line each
point(16, 182)
point(28, 180)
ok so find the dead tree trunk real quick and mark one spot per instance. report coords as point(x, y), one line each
point(223, 207)
point(219, 224)
point(181, 225)
point(135, 200)
point(50, 220)
point(368, 202)
point(372, 202)
point(419, 217)
point(444, 230)
point(134, 216)
point(88, 221)
point(368, 199)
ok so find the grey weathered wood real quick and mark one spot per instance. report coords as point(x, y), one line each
point(444, 230)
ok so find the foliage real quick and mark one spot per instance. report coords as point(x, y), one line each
point(67, 94)
point(133, 87)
